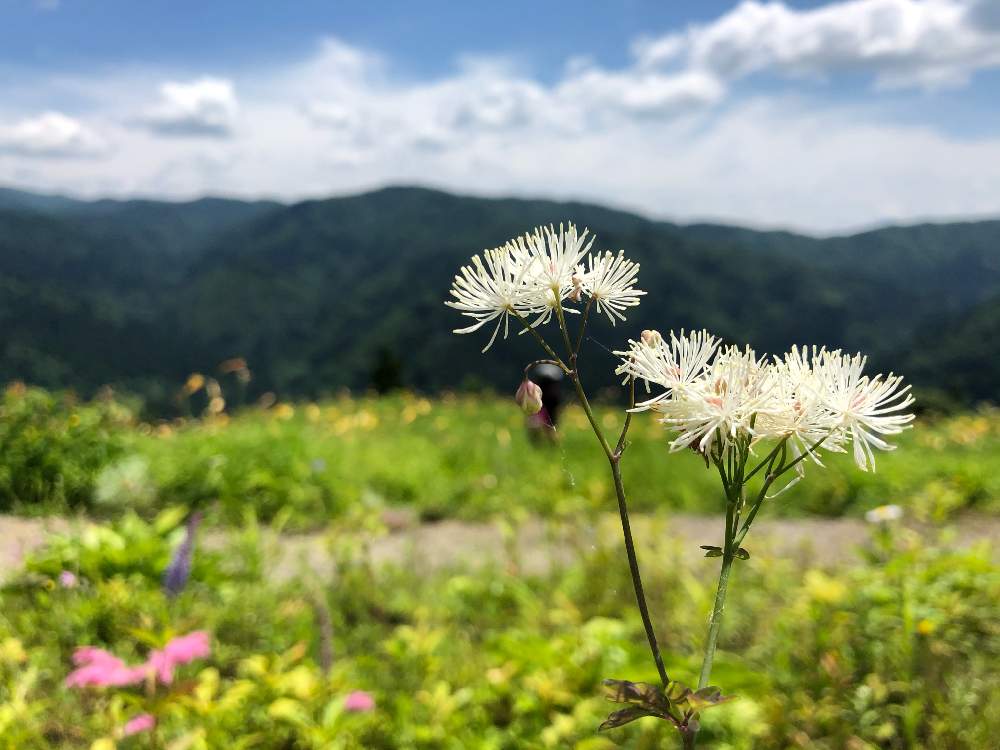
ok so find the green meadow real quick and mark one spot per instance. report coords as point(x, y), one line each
point(894, 647)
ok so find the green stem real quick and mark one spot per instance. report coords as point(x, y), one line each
point(728, 555)
point(614, 459)
point(583, 327)
point(715, 623)
point(548, 349)
point(620, 446)
point(570, 352)
point(633, 565)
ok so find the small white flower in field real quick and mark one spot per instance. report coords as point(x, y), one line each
point(720, 404)
point(797, 410)
point(864, 407)
point(529, 276)
point(493, 288)
point(555, 257)
point(529, 397)
point(674, 366)
point(610, 283)
point(812, 398)
point(884, 514)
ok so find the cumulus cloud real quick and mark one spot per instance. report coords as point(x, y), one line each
point(677, 132)
point(203, 107)
point(53, 135)
point(361, 108)
point(925, 43)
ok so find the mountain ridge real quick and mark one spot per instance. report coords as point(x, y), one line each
point(140, 293)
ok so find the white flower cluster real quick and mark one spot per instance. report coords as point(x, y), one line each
point(530, 275)
point(814, 398)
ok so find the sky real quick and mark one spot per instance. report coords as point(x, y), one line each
point(821, 116)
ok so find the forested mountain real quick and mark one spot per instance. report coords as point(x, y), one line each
point(313, 295)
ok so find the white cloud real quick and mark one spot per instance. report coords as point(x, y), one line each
point(926, 43)
point(658, 135)
point(203, 107)
point(640, 93)
point(51, 134)
point(361, 108)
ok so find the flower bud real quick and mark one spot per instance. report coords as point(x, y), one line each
point(651, 338)
point(529, 397)
point(577, 292)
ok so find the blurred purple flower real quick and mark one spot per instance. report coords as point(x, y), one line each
point(175, 577)
point(68, 579)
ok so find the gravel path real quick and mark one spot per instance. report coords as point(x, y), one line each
point(539, 544)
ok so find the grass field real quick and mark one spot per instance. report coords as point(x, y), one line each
point(894, 649)
point(459, 456)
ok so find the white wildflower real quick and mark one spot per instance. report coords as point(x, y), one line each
point(798, 408)
point(674, 365)
point(554, 257)
point(864, 407)
point(493, 288)
point(529, 276)
point(884, 514)
point(720, 405)
point(610, 283)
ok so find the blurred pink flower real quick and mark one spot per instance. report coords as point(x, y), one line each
point(68, 579)
point(181, 650)
point(359, 701)
point(98, 668)
point(139, 723)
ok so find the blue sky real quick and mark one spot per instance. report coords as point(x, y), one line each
point(824, 116)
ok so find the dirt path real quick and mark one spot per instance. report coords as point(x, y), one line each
point(538, 545)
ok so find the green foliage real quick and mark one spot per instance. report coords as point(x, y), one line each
point(906, 656)
point(895, 652)
point(140, 294)
point(953, 354)
point(471, 458)
point(457, 457)
point(52, 447)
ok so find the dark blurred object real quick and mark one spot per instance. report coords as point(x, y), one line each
point(549, 379)
point(387, 373)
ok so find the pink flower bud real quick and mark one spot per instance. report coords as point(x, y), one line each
point(651, 338)
point(529, 397)
point(577, 292)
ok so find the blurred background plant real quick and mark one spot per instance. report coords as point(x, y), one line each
point(896, 649)
point(456, 457)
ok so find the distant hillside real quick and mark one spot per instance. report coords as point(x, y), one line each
point(141, 293)
point(959, 355)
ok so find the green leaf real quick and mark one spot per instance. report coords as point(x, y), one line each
point(712, 550)
point(742, 554)
point(707, 697)
point(623, 717)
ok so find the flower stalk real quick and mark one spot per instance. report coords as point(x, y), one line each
point(720, 402)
